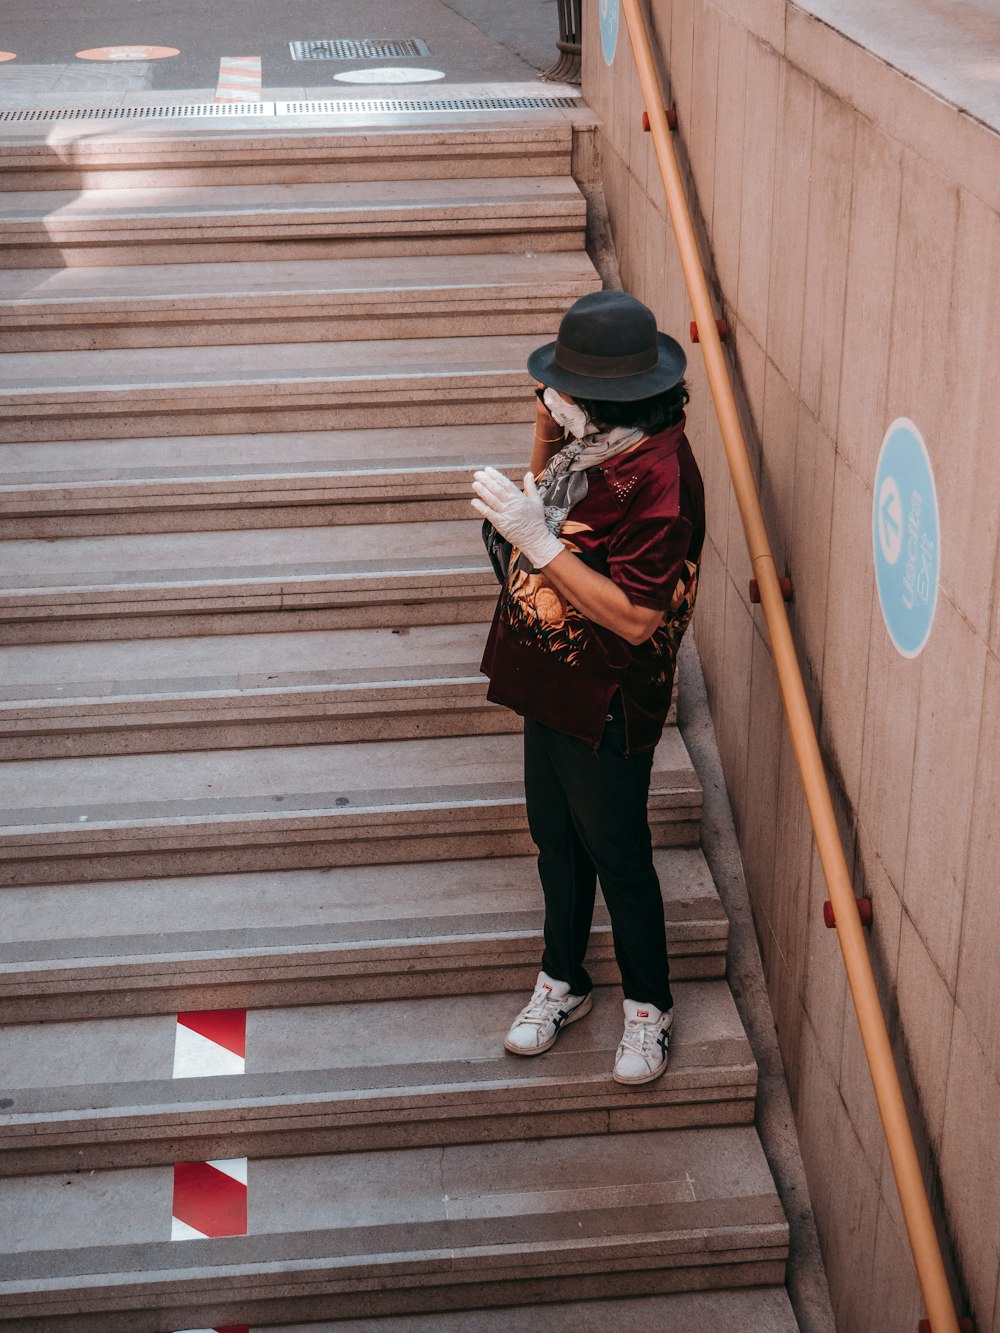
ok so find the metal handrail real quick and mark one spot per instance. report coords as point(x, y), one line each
point(927, 1256)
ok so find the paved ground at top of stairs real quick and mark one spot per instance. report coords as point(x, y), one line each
point(469, 42)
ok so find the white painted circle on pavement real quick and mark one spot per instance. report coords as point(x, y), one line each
point(392, 75)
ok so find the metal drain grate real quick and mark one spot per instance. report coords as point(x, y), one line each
point(360, 106)
point(213, 109)
point(362, 48)
point(396, 106)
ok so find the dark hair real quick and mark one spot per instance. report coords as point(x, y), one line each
point(649, 414)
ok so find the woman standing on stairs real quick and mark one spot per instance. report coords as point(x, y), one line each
point(598, 587)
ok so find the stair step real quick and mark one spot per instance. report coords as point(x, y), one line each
point(308, 479)
point(357, 1077)
point(389, 384)
point(234, 691)
point(400, 1231)
point(139, 696)
point(291, 807)
point(305, 300)
point(317, 219)
point(74, 157)
point(753, 1310)
point(253, 580)
point(160, 946)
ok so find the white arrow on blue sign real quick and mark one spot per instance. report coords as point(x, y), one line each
point(906, 538)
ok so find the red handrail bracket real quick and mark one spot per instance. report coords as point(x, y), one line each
point(864, 912)
point(786, 590)
point(721, 324)
point(671, 115)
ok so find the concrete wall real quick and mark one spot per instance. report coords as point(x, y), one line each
point(852, 222)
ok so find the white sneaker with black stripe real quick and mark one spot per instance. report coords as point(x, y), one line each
point(545, 1015)
point(642, 1052)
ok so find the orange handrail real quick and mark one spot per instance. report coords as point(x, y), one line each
point(927, 1256)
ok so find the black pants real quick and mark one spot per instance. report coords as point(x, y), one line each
point(587, 815)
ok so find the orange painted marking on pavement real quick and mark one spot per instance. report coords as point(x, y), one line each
point(239, 79)
point(128, 53)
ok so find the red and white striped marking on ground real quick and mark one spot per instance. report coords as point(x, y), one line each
point(213, 1041)
point(220, 1328)
point(239, 79)
point(210, 1199)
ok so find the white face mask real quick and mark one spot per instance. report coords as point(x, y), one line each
point(570, 416)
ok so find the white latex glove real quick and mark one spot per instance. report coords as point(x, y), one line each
point(517, 516)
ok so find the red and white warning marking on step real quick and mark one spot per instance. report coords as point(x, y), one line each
point(220, 1328)
point(239, 79)
point(210, 1199)
point(213, 1041)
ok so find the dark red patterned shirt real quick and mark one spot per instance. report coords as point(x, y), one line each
point(641, 524)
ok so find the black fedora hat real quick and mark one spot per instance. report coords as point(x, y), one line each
point(608, 348)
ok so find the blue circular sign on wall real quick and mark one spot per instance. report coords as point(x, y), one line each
point(906, 537)
point(609, 28)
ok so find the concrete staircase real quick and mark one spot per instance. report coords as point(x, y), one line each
point(251, 767)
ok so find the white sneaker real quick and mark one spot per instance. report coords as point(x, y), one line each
point(541, 1020)
point(642, 1053)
